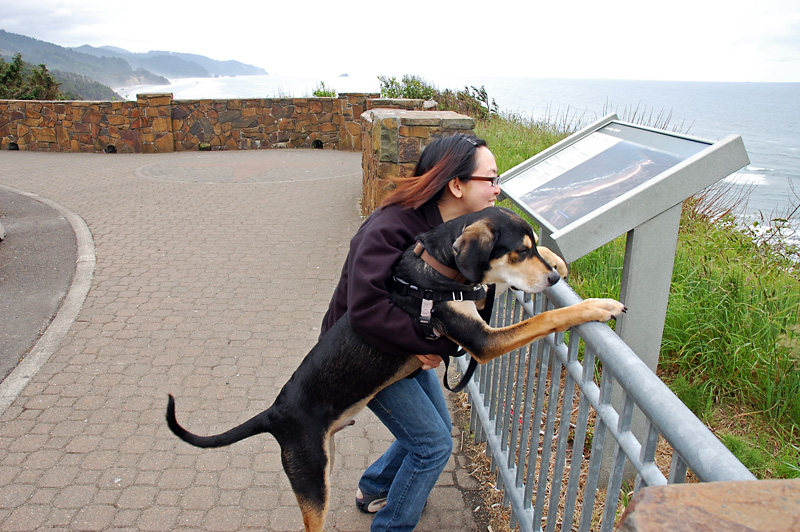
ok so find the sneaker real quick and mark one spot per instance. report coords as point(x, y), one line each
point(369, 504)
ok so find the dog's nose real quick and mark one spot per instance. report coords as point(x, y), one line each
point(553, 277)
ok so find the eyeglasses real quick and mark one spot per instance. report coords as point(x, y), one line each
point(493, 180)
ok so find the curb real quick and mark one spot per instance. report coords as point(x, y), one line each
point(18, 379)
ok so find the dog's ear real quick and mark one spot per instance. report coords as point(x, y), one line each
point(473, 249)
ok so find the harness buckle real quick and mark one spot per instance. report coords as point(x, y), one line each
point(458, 296)
point(426, 311)
point(425, 320)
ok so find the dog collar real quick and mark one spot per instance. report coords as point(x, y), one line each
point(433, 262)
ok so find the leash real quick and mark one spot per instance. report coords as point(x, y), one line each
point(467, 374)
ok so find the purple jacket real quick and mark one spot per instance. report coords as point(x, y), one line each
point(362, 291)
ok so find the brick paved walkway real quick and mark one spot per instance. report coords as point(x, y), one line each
point(213, 272)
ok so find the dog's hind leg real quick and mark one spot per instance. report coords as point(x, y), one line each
point(306, 465)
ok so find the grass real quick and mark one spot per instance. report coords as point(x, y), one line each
point(731, 344)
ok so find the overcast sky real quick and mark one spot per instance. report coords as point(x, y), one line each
point(703, 40)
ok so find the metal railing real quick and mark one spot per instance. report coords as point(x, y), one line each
point(545, 412)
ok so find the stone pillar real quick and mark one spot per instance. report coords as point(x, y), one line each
point(392, 141)
point(155, 114)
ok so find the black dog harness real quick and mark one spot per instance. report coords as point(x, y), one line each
point(429, 297)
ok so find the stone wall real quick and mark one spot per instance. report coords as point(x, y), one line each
point(155, 123)
point(69, 126)
point(392, 142)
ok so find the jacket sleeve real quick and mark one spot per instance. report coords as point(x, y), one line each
point(372, 315)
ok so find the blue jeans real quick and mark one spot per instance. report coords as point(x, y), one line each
point(415, 412)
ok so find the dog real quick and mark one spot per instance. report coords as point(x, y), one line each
point(340, 374)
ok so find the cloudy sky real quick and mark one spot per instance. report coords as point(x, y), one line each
point(704, 40)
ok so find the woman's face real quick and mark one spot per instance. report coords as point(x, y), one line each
point(478, 194)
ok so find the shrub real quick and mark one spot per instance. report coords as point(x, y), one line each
point(471, 101)
point(323, 92)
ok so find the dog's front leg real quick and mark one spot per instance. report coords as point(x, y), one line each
point(486, 343)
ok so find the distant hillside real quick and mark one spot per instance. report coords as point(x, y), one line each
point(176, 64)
point(116, 67)
point(111, 71)
point(163, 65)
point(76, 87)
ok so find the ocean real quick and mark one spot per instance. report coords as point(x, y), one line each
point(765, 115)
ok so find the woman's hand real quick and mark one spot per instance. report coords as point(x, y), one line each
point(430, 361)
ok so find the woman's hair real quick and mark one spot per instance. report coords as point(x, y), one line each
point(442, 160)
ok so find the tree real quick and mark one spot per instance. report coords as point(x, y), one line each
point(18, 81)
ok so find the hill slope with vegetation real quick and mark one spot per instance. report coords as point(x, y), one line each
point(87, 72)
point(111, 71)
point(175, 64)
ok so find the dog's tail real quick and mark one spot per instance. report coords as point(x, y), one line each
point(256, 425)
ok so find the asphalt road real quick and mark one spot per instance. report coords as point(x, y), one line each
point(37, 263)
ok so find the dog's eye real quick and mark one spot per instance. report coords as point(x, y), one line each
point(520, 254)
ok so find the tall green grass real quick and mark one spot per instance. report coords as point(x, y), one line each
point(730, 308)
point(731, 344)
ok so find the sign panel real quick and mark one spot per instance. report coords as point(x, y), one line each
point(597, 169)
point(613, 176)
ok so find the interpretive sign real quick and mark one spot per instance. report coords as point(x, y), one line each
point(596, 170)
point(612, 176)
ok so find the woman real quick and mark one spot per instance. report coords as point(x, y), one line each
point(455, 175)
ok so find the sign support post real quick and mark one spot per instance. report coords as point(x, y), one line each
point(646, 278)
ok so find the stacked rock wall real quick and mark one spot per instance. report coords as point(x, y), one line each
point(155, 123)
point(69, 126)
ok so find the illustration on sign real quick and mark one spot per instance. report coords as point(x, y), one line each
point(596, 170)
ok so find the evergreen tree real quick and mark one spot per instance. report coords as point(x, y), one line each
point(18, 81)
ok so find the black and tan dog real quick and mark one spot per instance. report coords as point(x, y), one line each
point(342, 372)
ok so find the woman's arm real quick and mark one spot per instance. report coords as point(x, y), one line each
point(372, 314)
